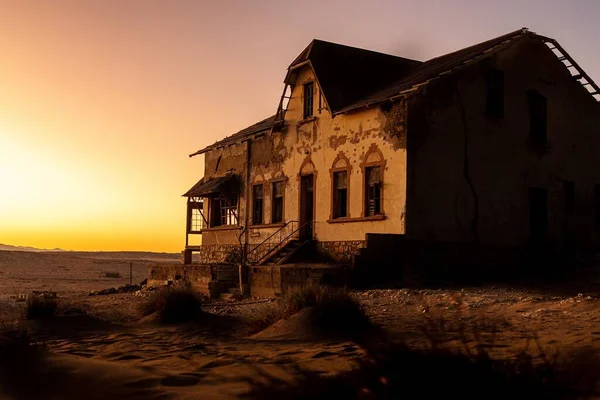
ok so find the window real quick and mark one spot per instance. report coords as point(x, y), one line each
point(597, 206)
point(569, 193)
point(340, 194)
point(495, 93)
point(277, 198)
point(538, 118)
point(257, 204)
point(309, 91)
point(224, 211)
point(372, 191)
point(196, 219)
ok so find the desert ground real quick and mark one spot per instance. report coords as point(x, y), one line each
point(102, 347)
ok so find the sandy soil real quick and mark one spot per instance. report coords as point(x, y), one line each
point(100, 347)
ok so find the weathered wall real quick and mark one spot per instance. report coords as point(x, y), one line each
point(219, 253)
point(341, 251)
point(501, 166)
point(198, 275)
point(315, 144)
point(271, 281)
point(218, 163)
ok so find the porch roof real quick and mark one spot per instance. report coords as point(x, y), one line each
point(206, 188)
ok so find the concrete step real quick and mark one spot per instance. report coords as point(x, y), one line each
point(231, 294)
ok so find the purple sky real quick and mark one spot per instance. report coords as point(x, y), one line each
point(102, 101)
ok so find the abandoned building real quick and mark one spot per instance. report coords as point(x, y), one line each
point(496, 145)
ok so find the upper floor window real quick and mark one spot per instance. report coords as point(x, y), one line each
point(224, 211)
point(195, 217)
point(257, 204)
point(569, 193)
point(340, 199)
point(495, 93)
point(538, 116)
point(309, 94)
point(372, 191)
point(277, 202)
point(340, 194)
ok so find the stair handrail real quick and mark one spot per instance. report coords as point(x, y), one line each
point(284, 240)
point(268, 240)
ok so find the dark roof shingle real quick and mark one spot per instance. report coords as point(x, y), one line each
point(346, 74)
point(254, 129)
point(434, 67)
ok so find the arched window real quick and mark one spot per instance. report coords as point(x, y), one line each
point(258, 190)
point(373, 167)
point(340, 187)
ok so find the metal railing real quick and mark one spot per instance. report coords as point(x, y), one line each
point(290, 231)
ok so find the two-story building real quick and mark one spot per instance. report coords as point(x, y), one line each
point(495, 144)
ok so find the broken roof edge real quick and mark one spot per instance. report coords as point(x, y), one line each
point(254, 130)
point(417, 86)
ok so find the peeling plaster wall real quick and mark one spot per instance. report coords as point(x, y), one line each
point(500, 164)
point(218, 163)
point(321, 139)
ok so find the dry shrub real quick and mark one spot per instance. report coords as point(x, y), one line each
point(40, 307)
point(175, 305)
point(391, 371)
point(335, 311)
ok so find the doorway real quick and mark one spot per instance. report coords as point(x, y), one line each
point(538, 216)
point(307, 210)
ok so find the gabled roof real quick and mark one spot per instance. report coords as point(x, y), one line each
point(347, 74)
point(352, 78)
point(434, 67)
point(205, 188)
point(445, 64)
point(253, 130)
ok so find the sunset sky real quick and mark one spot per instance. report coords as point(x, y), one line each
point(101, 101)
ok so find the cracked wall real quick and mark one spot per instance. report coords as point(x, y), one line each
point(442, 204)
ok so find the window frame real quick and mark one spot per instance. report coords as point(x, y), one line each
point(221, 212)
point(495, 93)
point(538, 126)
point(381, 164)
point(569, 196)
point(306, 99)
point(348, 169)
point(273, 182)
point(192, 206)
point(262, 201)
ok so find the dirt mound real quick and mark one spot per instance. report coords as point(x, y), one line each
point(299, 326)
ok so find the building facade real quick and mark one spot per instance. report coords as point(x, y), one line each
point(496, 144)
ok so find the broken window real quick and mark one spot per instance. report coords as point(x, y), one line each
point(257, 204)
point(538, 118)
point(277, 198)
point(372, 191)
point(195, 217)
point(340, 194)
point(224, 211)
point(569, 193)
point(309, 91)
point(495, 93)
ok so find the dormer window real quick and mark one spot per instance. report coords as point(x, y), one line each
point(495, 93)
point(309, 94)
point(538, 116)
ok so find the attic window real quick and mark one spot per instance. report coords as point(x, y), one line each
point(538, 115)
point(309, 94)
point(495, 93)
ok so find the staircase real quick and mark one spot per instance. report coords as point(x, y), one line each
point(285, 252)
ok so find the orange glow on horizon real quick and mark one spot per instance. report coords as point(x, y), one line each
point(101, 101)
